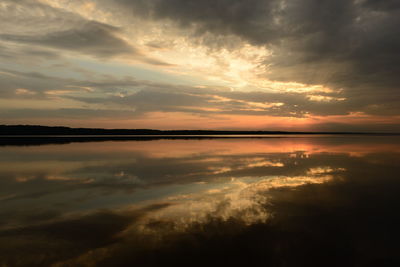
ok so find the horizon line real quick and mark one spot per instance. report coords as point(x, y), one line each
point(42, 128)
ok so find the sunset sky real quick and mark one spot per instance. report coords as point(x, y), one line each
point(326, 65)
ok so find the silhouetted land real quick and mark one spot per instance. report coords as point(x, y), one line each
point(17, 130)
point(28, 135)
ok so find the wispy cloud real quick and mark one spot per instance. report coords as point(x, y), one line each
point(289, 59)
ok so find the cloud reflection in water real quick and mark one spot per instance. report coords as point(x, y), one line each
point(133, 202)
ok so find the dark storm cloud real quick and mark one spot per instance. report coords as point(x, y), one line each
point(382, 5)
point(242, 18)
point(343, 44)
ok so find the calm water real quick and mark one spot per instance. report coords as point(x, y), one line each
point(296, 201)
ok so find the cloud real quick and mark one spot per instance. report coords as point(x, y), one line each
point(220, 17)
point(69, 113)
point(144, 96)
point(43, 28)
point(134, 101)
point(350, 45)
point(345, 51)
point(91, 38)
point(162, 97)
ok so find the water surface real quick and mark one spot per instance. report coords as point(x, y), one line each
point(281, 201)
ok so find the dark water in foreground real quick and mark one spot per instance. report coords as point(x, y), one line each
point(296, 201)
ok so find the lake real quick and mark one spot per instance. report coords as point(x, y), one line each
point(270, 201)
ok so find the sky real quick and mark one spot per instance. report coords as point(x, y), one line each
point(314, 65)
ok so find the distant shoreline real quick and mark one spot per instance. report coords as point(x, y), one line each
point(52, 131)
point(27, 135)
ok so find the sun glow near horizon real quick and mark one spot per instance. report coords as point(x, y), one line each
point(103, 63)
